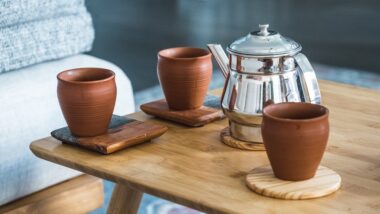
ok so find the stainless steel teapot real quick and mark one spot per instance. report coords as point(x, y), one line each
point(262, 68)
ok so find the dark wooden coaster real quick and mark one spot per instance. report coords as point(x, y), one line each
point(209, 112)
point(226, 138)
point(123, 132)
point(262, 181)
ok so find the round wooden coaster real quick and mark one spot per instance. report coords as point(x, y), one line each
point(227, 139)
point(262, 181)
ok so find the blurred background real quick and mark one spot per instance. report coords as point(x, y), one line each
point(344, 33)
point(39, 38)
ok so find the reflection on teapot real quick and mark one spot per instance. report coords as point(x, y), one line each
point(262, 68)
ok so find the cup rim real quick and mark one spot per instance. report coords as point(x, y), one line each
point(317, 118)
point(111, 75)
point(162, 54)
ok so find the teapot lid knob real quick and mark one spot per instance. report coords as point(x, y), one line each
point(263, 30)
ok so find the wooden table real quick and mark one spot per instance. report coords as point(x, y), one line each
point(190, 166)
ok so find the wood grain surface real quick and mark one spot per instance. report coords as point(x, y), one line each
point(190, 166)
point(196, 117)
point(262, 181)
point(226, 138)
point(81, 194)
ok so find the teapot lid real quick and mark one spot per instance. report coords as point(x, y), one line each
point(264, 43)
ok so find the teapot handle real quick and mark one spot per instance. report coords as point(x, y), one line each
point(308, 79)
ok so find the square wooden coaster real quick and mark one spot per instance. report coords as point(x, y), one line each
point(123, 132)
point(209, 112)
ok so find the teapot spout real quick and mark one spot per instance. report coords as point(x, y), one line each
point(221, 58)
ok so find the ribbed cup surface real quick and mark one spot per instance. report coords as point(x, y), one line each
point(87, 98)
point(295, 137)
point(184, 74)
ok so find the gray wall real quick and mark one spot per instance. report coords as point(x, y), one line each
point(335, 32)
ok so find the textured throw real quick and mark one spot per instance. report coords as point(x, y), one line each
point(13, 12)
point(33, 31)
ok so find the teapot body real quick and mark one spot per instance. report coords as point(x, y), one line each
point(247, 93)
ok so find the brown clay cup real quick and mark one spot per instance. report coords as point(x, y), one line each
point(87, 98)
point(184, 74)
point(295, 137)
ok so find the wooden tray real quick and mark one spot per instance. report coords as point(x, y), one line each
point(123, 132)
point(209, 112)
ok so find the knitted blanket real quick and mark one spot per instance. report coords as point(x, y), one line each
point(13, 12)
point(42, 30)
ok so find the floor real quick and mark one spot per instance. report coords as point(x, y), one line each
point(129, 33)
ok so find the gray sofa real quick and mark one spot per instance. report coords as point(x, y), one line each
point(38, 39)
point(29, 110)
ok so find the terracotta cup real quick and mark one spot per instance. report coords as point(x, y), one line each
point(87, 98)
point(295, 137)
point(184, 74)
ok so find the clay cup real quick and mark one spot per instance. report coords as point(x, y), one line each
point(87, 98)
point(184, 74)
point(295, 137)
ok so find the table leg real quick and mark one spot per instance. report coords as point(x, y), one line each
point(125, 200)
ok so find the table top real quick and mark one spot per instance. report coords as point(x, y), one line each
point(190, 166)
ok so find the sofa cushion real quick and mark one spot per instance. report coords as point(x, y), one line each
point(29, 110)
